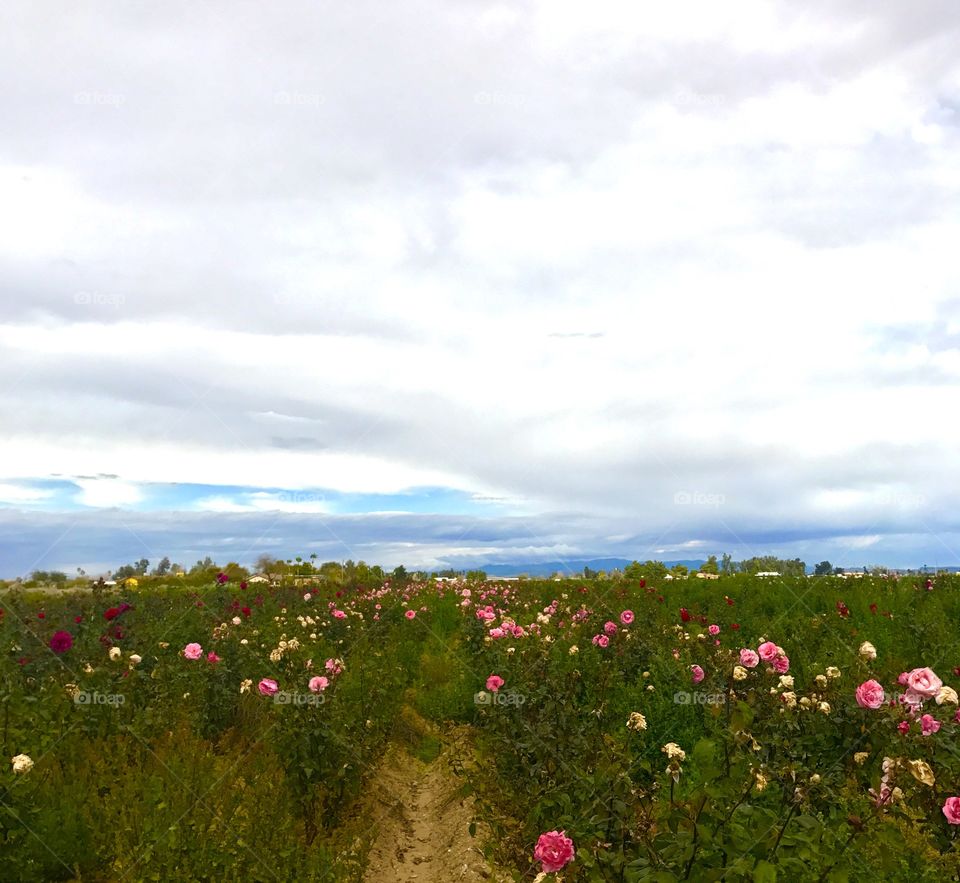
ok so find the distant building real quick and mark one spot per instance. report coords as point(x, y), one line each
point(258, 578)
point(768, 573)
point(702, 575)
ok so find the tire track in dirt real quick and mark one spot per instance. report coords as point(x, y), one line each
point(423, 825)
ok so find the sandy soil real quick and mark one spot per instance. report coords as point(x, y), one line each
point(423, 825)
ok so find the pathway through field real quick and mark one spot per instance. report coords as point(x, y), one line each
point(423, 824)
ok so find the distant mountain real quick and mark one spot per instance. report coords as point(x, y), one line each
point(548, 568)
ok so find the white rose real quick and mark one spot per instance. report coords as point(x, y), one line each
point(948, 695)
point(868, 651)
point(22, 763)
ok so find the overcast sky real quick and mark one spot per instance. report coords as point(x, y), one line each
point(537, 279)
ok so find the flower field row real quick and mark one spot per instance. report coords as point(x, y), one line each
point(741, 730)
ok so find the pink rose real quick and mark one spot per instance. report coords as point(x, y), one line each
point(494, 683)
point(696, 674)
point(193, 651)
point(554, 850)
point(626, 617)
point(781, 664)
point(870, 695)
point(318, 684)
point(767, 651)
point(902, 679)
point(410, 614)
point(339, 614)
point(929, 724)
point(610, 628)
point(212, 657)
point(267, 687)
point(714, 630)
point(903, 727)
point(951, 809)
point(749, 659)
point(922, 684)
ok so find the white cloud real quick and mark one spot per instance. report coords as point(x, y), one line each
point(19, 494)
point(363, 290)
point(106, 492)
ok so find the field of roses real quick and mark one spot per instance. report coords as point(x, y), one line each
point(733, 729)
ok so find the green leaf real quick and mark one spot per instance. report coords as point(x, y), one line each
point(764, 872)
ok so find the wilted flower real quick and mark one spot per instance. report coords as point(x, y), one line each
point(739, 673)
point(833, 671)
point(760, 781)
point(245, 685)
point(22, 763)
point(860, 757)
point(636, 721)
point(946, 695)
point(921, 771)
point(868, 651)
point(674, 751)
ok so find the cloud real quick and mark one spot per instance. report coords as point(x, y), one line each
point(21, 494)
point(577, 259)
point(106, 492)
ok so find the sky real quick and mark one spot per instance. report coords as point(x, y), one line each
point(452, 283)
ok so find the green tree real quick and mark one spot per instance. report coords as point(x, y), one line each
point(163, 568)
point(710, 566)
point(824, 568)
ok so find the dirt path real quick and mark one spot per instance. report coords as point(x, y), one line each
point(423, 825)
